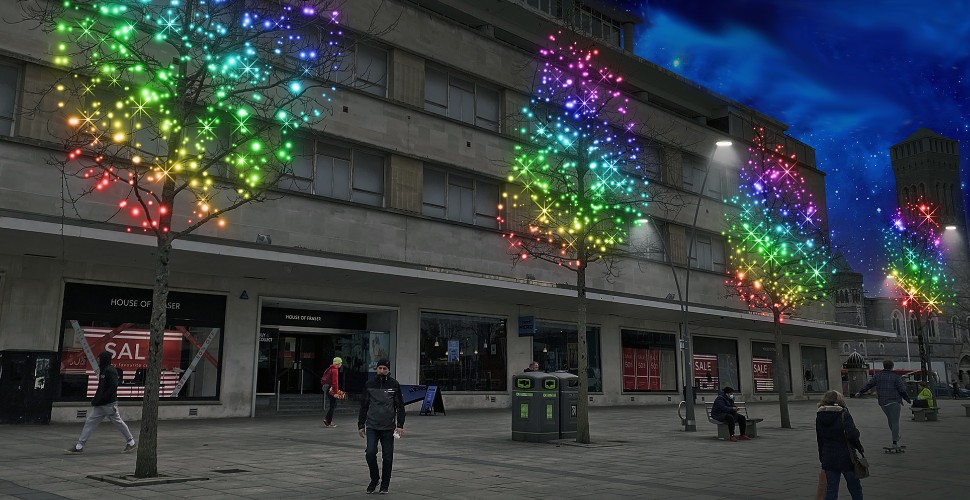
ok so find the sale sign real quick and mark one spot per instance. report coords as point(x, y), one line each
point(705, 371)
point(763, 380)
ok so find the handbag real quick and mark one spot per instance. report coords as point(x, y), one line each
point(859, 462)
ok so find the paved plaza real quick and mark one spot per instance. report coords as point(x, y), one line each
point(639, 452)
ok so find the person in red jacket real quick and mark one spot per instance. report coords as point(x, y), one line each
point(331, 389)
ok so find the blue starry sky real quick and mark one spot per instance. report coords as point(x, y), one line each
point(850, 78)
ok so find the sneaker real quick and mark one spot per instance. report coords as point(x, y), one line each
point(75, 449)
point(734, 439)
point(129, 447)
point(371, 487)
point(329, 425)
point(744, 437)
point(383, 491)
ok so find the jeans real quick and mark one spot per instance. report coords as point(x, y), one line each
point(731, 418)
point(99, 413)
point(892, 415)
point(386, 439)
point(331, 403)
point(851, 483)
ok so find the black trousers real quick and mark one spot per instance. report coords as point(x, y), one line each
point(386, 440)
point(732, 418)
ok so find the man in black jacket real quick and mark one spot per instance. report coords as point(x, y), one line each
point(105, 405)
point(382, 419)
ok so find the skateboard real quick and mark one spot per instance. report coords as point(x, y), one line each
point(894, 449)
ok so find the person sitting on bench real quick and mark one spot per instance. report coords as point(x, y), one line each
point(925, 397)
point(724, 410)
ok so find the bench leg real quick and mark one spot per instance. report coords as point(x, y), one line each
point(919, 416)
point(968, 410)
point(931, 416)
point(722, 432)
point(752, 429)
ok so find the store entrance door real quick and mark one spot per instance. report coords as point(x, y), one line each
point(293, 362)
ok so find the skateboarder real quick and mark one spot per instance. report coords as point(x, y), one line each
point(891, 393)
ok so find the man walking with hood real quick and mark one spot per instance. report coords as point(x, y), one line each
point(381, 419)
point(105, 405)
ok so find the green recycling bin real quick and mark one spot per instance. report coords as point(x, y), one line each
point(535, 407)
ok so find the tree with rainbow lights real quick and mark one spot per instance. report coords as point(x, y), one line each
point(780, 258)
point(916, 267)
point(180, 112)
point(578, 173)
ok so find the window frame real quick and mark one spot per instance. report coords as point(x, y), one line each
point(715, 265)
point(321, 151)
point(17, 80)
point(444, 211)
point(448, 104)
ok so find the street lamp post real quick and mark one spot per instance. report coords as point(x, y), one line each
point(690, 421)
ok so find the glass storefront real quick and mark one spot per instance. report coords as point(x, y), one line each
point(463, 352)
point(649, 361)
point(555, 347)
point(816, 368)
point(761, 365)
point(296, 346)
point(715, 364)
point(116, 319)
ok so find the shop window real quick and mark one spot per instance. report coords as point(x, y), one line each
point(461, 98)
point(816, 368)
point(463, 352)
point(715, 364)
point(707, 253)
point(460, 198)
point(555, 347)
point(649, 361)
point(364, 68)
point(333, 171)
point(762, 354)
point(116, 319)
point(9, 83)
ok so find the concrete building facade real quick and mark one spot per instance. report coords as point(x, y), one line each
point(409, 263)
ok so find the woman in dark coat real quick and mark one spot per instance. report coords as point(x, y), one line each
point(835, 430)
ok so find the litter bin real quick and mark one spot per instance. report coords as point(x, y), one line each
point(568, 401)
point(544, 406)
point(27, 386)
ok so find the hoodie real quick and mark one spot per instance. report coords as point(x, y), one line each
point(108, 380)
point(833, 424)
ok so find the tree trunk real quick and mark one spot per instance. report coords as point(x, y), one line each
point(582, 404)
point(146, 463)
point(779, 373)
point(924, 359)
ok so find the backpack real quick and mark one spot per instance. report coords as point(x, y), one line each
point(327, 378)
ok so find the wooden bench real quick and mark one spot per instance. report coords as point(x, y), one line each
point(926, 414)
point(751, 429)
point(966, 406)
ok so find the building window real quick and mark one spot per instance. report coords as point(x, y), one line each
point(463, 352)
point(761, 364)
point(460, 98)
point(332, 171)
point(651, 161)
point(364, 68)
point(555, 347)
point(9, 82)
point(707, 253)
point(648, 239)
point(845, 348)
point(598, 25)
point(549, 7)
point(715, 364)
point(896, 323)
point(649, 361)
point(816, 368)
point(116, 319)
point(931, 326)
point(460, 198)
point(694, 168)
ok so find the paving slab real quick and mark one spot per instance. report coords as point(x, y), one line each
point(470, 454)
